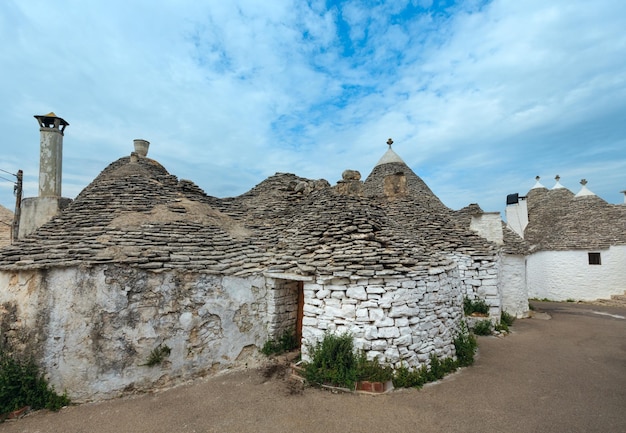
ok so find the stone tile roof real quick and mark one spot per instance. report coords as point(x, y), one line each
point(557, 220)
point(420, 213)
point(136, 213)
point(513, 243)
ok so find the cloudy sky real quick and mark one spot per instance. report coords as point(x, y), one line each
point(479, 97)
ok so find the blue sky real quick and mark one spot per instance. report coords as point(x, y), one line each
point(479, 97)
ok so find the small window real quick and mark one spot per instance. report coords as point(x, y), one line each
point(594, 259)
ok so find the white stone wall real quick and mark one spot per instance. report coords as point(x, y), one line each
point(489, 226)
point(398, 321)
point(513, 285)
point(563, 275)
point(479, 280)
point(93, 328)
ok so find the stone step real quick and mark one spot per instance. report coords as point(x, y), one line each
point(610, 303)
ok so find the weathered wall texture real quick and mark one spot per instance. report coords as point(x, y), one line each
point(563, 275)
point(513, 285)
point(398, 321)
point(95, 327)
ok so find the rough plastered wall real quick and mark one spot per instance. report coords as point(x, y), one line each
point(563, 275)
point(479, 280)
point(93, 328)
point(398, 321)
point(512, 283)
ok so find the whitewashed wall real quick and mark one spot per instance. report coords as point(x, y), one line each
point(563, 275)
point(93, 328)
point(513, 285)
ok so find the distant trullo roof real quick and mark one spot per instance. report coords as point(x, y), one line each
point(559, 220)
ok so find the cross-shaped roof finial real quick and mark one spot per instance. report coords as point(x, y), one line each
point(390, 142)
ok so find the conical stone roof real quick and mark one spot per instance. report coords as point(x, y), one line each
point(137, 214)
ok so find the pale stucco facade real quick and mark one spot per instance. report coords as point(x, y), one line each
point(567, 275)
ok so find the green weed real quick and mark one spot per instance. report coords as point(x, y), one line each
point(21, 384)
point(285, 343)
point(483, 327)
point(477, 306)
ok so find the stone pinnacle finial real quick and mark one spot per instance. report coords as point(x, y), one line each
point(583, 182)
point(537, 178)
point(390, 142)
point(557, 178)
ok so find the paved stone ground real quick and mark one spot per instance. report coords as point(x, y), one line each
point(566, 374)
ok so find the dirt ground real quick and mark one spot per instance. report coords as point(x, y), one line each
point(566, 374)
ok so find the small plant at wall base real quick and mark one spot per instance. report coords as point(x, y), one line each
point(21, 384)
point(285, 343)
point(158, 355)
point(372, 370)
point(465, 345)
point(483, 327)
point(507, 318)
point(477, 306)
point(333, 361)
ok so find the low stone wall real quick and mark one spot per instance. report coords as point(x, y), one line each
point(92, 329)
point(399, 321)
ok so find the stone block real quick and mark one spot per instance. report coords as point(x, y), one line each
point(379, 345)
point(321, 294)
point(392, 354)
point(375, 290)
point(370, 332)
point(403, 340)
point(401, 321)
point(376, 314)
point(388, 332)
point(357, 292)
point(384, 322)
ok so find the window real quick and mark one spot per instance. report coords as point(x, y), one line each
point(594, 259)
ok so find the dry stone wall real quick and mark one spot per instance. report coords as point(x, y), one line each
point(400, 321)
point(282, 306)
point(479, 280)
point(94, 328)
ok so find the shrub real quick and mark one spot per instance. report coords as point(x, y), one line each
point(478, 306)
point(372, 370)
point(483, 327)
point(406, 378)
point(507, 318)
point(332, 361)
point(465, 346)
point(21, 384)
point(285, 343)
point(502, 327)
